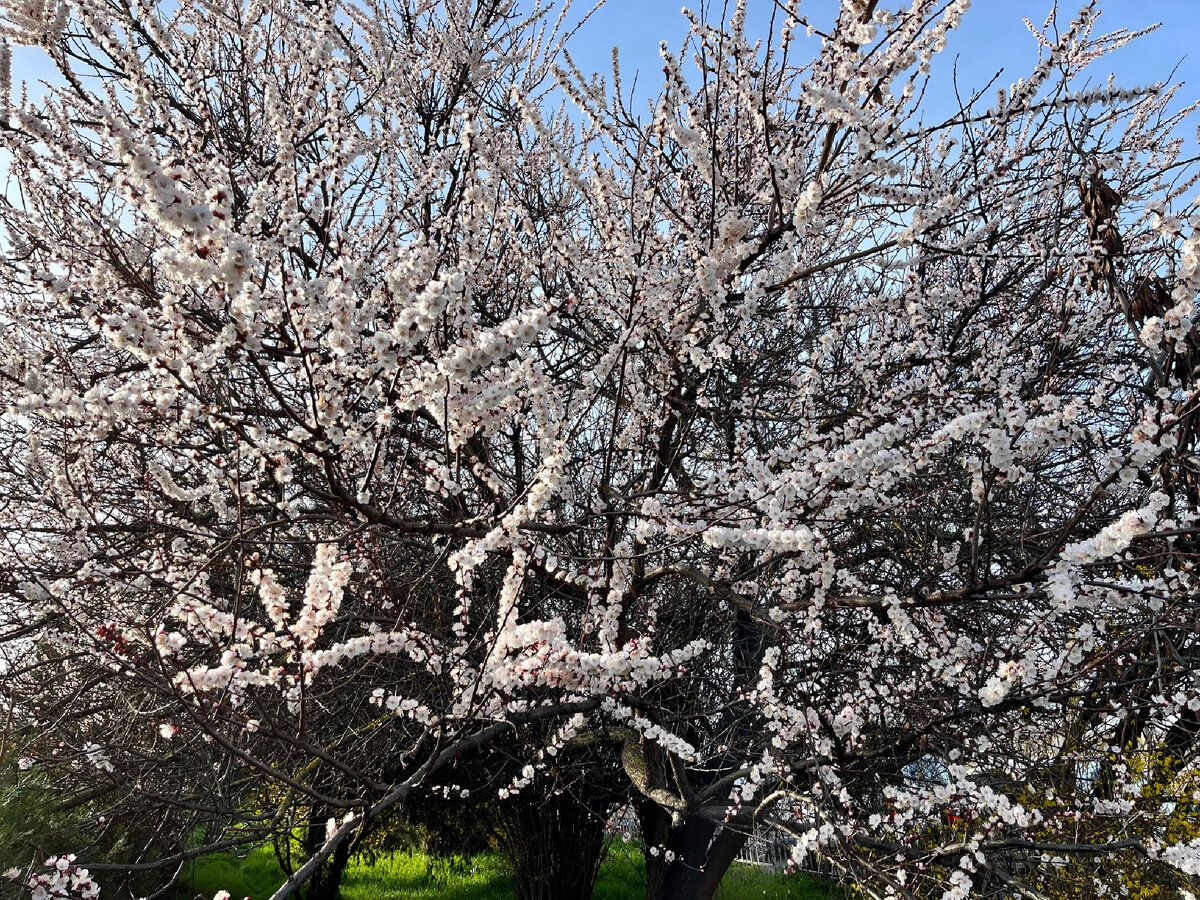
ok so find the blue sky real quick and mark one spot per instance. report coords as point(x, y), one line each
point(992, 36)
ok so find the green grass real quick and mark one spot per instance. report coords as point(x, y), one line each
point(623, 873)
point(390, 877)
point(623, 877)
point(746, 882)
point(255, 875)
point(402, 876)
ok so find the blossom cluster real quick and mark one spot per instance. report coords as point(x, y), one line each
point(64, 879)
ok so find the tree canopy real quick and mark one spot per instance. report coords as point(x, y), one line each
point(387, 408)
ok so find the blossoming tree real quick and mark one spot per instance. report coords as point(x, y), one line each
point(366, 406)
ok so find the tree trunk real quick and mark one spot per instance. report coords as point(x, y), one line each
point(700, 860)
point(326, 882)
point(702, 850)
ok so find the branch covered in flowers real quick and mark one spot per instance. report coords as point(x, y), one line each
point(377, 388)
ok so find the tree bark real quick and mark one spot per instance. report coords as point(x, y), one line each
point(700, 860)
point(326, 881)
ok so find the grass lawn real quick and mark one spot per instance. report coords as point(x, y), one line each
point(401, 876)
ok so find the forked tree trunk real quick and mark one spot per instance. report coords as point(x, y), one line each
point(701, 850)
point(699, 861)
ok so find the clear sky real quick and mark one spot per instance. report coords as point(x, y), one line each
point(992, 36)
